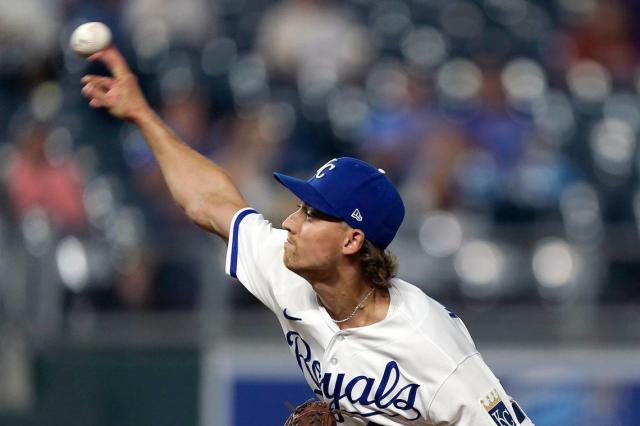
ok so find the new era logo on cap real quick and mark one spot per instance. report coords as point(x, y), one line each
point(355, 192)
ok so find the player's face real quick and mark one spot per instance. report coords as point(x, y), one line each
point(314, 244)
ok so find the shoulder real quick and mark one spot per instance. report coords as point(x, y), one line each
point(249, 224)
point(437, 326)
point(253, 242)
point(416, 303)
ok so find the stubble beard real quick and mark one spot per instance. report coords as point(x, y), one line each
point(292, 262)
point(287, 258)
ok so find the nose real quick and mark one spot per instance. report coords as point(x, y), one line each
point(290, 222)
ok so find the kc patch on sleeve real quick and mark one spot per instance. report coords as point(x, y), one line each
point(497, 410)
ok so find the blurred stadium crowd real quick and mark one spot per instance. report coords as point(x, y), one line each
point(509, 125)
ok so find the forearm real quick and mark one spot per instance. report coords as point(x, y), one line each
point(202, 188)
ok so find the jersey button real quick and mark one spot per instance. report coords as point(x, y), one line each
point(340, 338)
point(333, 361)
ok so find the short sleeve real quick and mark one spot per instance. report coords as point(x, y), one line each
point(254, 254)
point(472, 396)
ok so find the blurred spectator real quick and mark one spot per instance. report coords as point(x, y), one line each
point(407, 137)
point(38, 179)
point(23, 48)
point(607, 36)
point(397, 125)
point(147, 280)
point(542, 175)
point(300, 35)
point(185, 23)
point(494, 125)
point(511, 169)
point(134, 287)
point(131, 288)
point(498, 141)
point(250, 148)
point(432, 183)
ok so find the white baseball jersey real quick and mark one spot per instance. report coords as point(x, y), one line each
point(418, 366)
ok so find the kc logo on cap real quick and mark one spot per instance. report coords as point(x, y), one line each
point(329, 165)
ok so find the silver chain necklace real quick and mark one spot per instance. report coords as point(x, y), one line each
point(355, 310)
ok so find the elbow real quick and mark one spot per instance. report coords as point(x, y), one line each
point(197, 213)
point(193, 210)
point(213, 214)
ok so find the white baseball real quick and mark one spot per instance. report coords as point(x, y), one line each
point(90, 38)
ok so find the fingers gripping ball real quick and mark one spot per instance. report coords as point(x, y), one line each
point(312, 413)
point(90, 38)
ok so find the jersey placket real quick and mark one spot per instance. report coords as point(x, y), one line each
point(335, 365)
point(331, 359)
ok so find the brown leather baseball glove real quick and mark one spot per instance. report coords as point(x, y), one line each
point(312, 413)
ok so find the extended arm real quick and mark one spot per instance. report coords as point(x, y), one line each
point(202, 188)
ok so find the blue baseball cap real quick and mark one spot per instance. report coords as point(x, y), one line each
point(355, 192)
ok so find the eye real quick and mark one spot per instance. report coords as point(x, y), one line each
point(307, 213)
point(305, 210)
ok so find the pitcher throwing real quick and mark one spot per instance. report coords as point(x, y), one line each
point(375, 349)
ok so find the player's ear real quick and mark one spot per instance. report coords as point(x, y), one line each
point(353, 242)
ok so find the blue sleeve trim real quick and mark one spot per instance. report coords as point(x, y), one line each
point(234, 243)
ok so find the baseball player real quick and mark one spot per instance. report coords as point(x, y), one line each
point(374, 348)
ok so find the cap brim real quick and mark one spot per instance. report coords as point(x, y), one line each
point(307, 193)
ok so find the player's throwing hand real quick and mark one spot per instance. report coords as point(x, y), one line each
point(120, 94)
